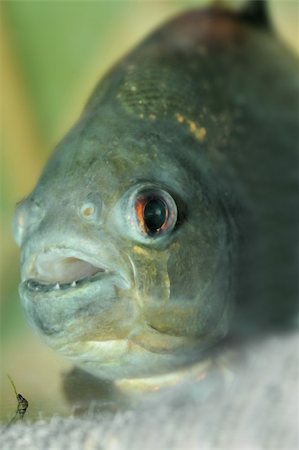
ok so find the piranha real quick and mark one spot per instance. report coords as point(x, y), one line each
point(166, 217)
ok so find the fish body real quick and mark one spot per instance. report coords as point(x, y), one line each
point(169, 202)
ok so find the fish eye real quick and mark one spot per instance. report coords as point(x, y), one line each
point(154, 212)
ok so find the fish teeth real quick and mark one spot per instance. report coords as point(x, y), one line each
point(34, 285)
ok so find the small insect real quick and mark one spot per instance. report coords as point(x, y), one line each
point(22, 405)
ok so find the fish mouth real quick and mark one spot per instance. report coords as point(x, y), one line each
point(62, 269)
point(35, 286)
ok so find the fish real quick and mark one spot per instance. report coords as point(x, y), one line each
point(165, 220)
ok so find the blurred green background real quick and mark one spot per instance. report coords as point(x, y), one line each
point(52, 55)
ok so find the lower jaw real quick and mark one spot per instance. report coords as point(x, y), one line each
point(127, 363)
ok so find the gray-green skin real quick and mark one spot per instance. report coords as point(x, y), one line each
point(205, 109)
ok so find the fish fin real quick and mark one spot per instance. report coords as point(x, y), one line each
point(255, 13)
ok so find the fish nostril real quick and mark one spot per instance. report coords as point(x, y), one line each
point(88, 211)
point(91, 208)
point(52, 267)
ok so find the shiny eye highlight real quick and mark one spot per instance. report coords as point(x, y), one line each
point(153, 211)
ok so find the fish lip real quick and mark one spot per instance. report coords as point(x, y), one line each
point(33, 284)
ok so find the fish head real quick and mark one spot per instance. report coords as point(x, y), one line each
point(128, 241)
point(126, 249)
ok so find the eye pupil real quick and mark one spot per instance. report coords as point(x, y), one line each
point(154, 214)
